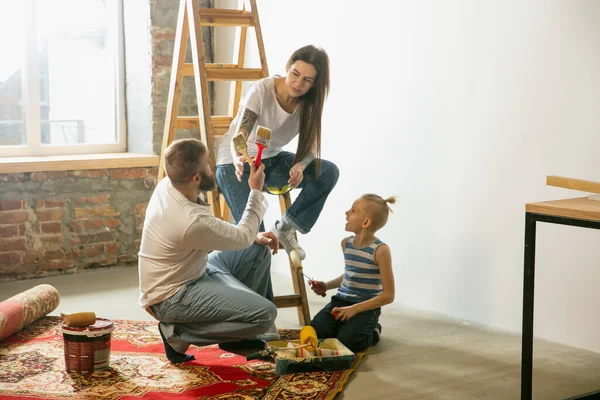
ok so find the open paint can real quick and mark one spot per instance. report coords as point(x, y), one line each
point(87, 348)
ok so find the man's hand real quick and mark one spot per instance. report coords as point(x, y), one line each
point(268, 238)
point(257, 177)
point(319, 287)
point(344, 313)
point(296, 175)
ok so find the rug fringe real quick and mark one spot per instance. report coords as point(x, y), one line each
point(342, 382)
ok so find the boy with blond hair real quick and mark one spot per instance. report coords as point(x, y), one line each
point(367, 283)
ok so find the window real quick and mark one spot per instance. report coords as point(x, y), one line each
point(61, 77)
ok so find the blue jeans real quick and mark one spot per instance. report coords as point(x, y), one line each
point(233, 300)
point(357, 333)
point(305, 211)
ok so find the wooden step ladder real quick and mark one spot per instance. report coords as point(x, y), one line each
point(189, 26)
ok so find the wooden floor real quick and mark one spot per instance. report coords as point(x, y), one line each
point(421, 355)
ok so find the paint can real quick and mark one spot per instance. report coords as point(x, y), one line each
point(87, 348)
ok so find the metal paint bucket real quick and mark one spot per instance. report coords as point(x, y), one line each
point(87, 348)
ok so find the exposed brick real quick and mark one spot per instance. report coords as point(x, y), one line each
point(97, 237)
point(91, 173)
point(13, 244)
point(136, 173)
point(127, 259)
point(119, 173)
point(100, 211)
point(108, 260)
point(51, 214)
point(74, 240)
point(54, 255)
point(39, 176)
point(54, 203)
point(52, 242)
point(9, 230)
point(150, 183)
point(13, 217)
point(57, 174)
point(138, 243)
point(111, 248)
point(51, 227)
point(56, 265)
point(93, 250)
point(140, 209)
point(18, 270)
point(162, 34)
point(164, 61)
point(10, 258)
point(21, 229)
point(13, 177)
point(97, 173)
point(153, 172)
point(73, 254)
point(93, 224)
point(111, 223)
point(9, 205)
point(31, 257)
point(79, 174)
point(87, 224)
point(77, 226)
point(102, 199)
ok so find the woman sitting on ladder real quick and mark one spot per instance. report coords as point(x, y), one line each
point(288, 106)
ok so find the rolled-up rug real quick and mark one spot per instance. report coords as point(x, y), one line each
point(24, 308)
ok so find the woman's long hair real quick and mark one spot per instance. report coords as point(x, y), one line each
point(313, 101)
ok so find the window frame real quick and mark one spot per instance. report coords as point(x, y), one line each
point(32, 101)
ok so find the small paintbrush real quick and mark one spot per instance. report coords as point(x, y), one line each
point(263, 138)
point(239, 142)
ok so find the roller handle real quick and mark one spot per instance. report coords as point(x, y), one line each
point(79, 319)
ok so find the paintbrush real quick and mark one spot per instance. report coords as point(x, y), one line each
point(263, 138)
point(239, 142)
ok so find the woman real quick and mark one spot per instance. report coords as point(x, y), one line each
point(288, 106)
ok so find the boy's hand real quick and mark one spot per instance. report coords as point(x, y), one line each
point(319, 287)
point(344, 313)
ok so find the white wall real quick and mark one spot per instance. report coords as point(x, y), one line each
point(461, 108)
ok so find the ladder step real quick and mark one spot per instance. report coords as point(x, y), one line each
point(188, 68)
point(216, 17)
point(292, 300)
point(226, 72)
point(234, 74)
point(220, 123)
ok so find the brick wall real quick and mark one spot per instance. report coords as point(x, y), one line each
point(63, 222)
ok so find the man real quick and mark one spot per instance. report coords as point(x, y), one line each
point(201, 298)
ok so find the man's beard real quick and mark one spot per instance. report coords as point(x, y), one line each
point(207, 182)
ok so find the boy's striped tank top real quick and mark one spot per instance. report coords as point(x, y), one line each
point(362, 279)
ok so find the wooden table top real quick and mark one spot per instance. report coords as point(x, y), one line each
point(579, 208)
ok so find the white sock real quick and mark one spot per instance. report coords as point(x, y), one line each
point(284, 226)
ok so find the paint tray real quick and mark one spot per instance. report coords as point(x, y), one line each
point(286, 362)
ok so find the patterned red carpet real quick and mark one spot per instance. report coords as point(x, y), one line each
point(32, 367)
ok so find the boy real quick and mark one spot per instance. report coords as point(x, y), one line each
point(367, 283)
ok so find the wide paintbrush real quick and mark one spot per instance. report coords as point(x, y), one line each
point(239, 142)
point(263, 138)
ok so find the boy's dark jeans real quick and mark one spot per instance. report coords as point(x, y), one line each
point(357, 333)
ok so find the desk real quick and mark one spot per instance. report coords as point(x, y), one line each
point(580, 212)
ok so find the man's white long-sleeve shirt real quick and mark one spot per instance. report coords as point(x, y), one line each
point(178, 235)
